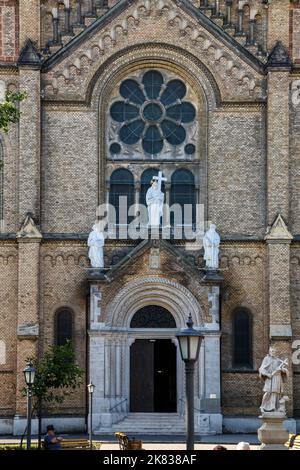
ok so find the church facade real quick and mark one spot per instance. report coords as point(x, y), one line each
point(208, 93)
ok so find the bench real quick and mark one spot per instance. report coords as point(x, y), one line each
point(127, 443)
point(75, 444)
point(294, 442)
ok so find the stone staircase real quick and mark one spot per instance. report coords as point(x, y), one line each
point(151, 423)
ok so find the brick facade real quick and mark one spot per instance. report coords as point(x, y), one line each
point(9, 30)
point(56, 167)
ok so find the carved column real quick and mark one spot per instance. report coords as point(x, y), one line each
point(251, 39)
point(137, 188)
point(29, 239)
point(166, 217)
point(67, 19)
point(78, 12)
point(228, 12)
point(55, 21)
point(240, 21)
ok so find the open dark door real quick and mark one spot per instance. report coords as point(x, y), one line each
point(141, 376)
point(153, 376)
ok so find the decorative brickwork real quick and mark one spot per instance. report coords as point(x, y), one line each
point(9, 30)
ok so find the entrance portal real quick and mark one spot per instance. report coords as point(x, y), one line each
point(153, 376)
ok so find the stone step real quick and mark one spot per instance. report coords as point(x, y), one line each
point(77, 29)
point(101, 11)
point(88, 20)
point(67, 38)
point(242, 39)
point(230, 30)
point(219, 20)
point(208, 11)
point(253, 49)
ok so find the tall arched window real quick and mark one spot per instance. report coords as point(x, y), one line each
point(183, 193)
point(121, 186)
point(242, 338)
point(63, 326)
point(1, 189)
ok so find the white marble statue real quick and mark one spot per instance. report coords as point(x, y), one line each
point(96, 244)
point(155, 201)
point(274, 372)
point(211, 242)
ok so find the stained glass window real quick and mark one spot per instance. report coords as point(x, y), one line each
point(121, 185)
point(154, 112)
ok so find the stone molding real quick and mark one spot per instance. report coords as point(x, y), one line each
point(29, 231)
point(101, 44)
point(278, 232)
point(158, 291)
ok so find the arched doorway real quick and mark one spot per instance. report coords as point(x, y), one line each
point(153, 364)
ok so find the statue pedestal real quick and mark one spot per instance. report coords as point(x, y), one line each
point(272, 434)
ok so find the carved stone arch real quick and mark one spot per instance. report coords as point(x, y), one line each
point(153, 54)
point(141, 292)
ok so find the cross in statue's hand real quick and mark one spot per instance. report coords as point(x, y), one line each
point(159, 179)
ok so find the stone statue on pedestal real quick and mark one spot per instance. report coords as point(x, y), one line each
point(96, 244)
point(273, 434)
point(211, 242)
point(274, 372)
point(155, 201)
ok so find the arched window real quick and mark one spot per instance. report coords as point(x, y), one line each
point(1, 189)
point(153, 316)
point(63, 326)
point(242, 338)
point(121, 186)
point(154, 114)
point(183, 193)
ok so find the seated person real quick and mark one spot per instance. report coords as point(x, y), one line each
point(51, 441)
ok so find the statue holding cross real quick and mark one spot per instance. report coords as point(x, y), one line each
point(155, 200)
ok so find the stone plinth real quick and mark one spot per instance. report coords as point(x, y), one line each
point(272, 434)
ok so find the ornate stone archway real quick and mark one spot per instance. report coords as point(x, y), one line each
point(153, 291)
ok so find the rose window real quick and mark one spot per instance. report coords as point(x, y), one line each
point(153, 112)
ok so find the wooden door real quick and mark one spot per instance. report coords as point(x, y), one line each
point(142, 376)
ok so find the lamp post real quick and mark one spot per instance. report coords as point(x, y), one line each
point(189, 344)
point(91, 388)
point(29, 375)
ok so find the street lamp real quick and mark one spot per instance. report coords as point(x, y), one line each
point(29, 375)
point(91, 388)
point(189, 344)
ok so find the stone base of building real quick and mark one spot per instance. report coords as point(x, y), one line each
point(250, 425)
point(63, 424)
